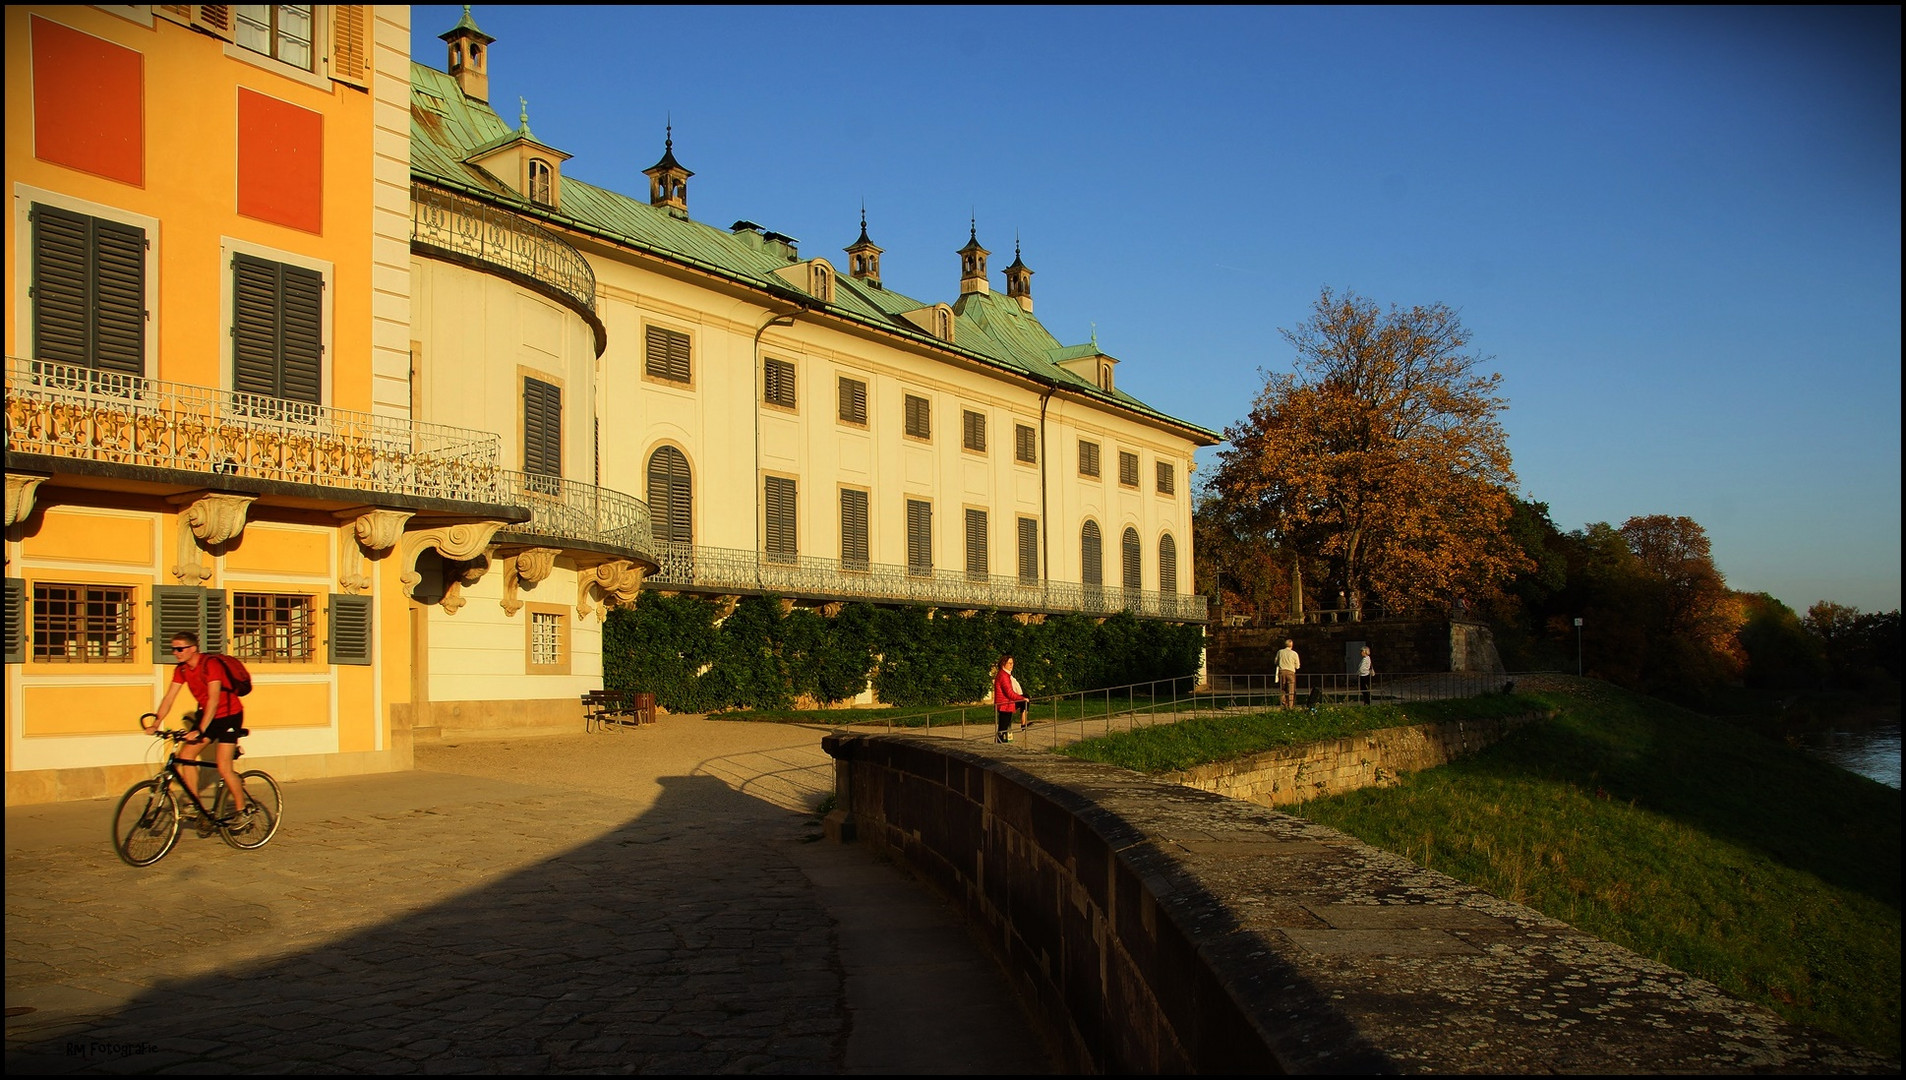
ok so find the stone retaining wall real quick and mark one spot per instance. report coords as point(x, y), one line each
point(1159, 928)
point(1293, 774)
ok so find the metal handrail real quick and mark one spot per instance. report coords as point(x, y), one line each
point(72, 411)
point(565, 509)
point(692, 565)
point(467, 228)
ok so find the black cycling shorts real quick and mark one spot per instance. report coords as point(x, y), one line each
point(227, 729)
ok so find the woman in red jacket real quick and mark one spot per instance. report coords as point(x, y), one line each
point(1006, 699)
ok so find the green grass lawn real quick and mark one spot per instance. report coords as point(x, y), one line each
point(1729, 856)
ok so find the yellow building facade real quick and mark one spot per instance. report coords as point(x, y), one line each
point(794, 427)
point(209, 389)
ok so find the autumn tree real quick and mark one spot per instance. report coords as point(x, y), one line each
point(1381, 455)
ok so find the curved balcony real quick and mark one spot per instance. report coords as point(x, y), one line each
point(566, 511)
point(687, 566)
point(470, 233)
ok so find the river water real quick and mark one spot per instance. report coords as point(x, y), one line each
point(1870, 751)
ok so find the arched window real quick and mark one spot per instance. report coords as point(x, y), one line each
point(539, 181)
point(1091, 560)
point(671, 497)
point(1167, 565)
point(1128, 545)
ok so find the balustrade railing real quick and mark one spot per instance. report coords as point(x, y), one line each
point(565, 510)
point(690, 565)
point(465, 227)
point(69, 411)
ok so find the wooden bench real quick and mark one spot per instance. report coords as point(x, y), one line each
point(602, 708)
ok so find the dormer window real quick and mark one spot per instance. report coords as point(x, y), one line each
point(943, 323)
point(1105, 377)
point(540, 189)
point(821, 281)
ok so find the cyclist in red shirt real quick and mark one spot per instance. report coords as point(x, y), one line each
point(206, 680)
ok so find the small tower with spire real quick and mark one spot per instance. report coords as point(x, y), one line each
point(668, 181)
point(973, 263)
point(469, 61)
point(863, 255)
point(1019, 279)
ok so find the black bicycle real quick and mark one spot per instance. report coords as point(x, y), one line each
point(147, 822)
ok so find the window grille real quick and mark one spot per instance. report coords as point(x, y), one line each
point(273, 627)
point(545, 638)
point(82, 623)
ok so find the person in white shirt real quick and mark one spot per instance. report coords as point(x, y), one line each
point(1364, 671)
point(1287, 665)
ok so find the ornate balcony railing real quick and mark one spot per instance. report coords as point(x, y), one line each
point(566, 510)
point(468, 229)
point(68, 411)
point(688, 565)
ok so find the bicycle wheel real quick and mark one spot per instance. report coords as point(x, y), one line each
point(261, 791)
point(146, 823)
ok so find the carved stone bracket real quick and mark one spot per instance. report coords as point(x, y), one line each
point(207, 520)
point(832, 610)
point(366, 532)
point(617, 583)
point(20, 491)
point(528, 566)
point(464, 543)
point(461, 575)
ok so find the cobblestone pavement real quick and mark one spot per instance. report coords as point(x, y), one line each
point(645, 901)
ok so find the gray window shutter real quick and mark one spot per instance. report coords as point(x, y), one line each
point(89, 291)
point(919, 537)
point(978, 565)
point(780, 503)
point(277, 329)
point(671, 497)
point(1091, 559)
point(853, 401)
point(542, 428)
point(1167, 564)
point(919, 421)
point(212, 620)
point(1130, 550)
point(667, 355)
point(973, 430)
point(1028, 550)
point(777, 383)
point(1026, 444)
point(180, 609)
point(853, 529)
point(350, 629)
point(16, 620)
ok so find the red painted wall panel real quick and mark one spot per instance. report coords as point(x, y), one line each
point(88, 103)
point(280, 162)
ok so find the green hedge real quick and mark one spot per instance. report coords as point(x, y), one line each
point(677, 648)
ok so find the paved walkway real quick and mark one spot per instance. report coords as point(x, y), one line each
point(640, 901)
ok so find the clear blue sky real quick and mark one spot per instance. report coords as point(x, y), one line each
point(1675, 232)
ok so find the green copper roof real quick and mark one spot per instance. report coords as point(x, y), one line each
point(446, 128)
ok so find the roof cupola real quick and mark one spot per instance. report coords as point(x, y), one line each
point(668, 181)
point(469, 61)
point(1019, 279)
point(973, 263)
point(863, 255)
